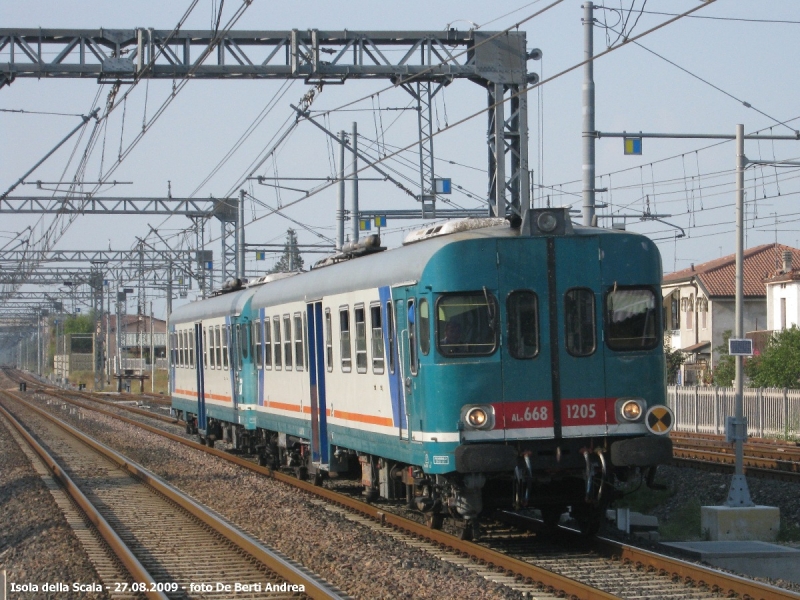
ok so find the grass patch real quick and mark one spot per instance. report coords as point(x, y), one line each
point(789, 532)
point(683, 525)
point(641, 499)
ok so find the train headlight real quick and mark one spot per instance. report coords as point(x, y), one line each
point(479, 417)
point(632, 409)
point(547, 222)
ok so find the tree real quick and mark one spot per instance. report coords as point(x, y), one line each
point(779, 365)
point(725, 370)
point(290, 261)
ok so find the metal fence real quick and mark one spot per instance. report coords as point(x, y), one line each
point(139, 364)
point(770, 412)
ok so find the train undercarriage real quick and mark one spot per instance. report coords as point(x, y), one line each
point(573, 476)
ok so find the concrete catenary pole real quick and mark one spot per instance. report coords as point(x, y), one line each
point(739, 493)
point(354, 199)
point(588, 116)
point(240, 237)
point(340, 210)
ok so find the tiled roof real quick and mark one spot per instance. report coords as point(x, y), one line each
point(718, 276)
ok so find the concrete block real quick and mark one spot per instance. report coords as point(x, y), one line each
point(757, 559)
point(726, 523)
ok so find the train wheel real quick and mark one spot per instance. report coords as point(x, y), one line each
point(434, 520)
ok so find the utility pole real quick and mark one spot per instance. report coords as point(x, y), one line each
point(739, 493)
point(588, 116)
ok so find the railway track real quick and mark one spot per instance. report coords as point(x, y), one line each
point(518, 558)
point(771, 459)
point(133, 510)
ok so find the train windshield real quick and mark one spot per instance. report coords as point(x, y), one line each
point(631, 319)
point(465, 324)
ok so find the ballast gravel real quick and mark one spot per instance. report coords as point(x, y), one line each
point(362, 562)
point(37, 545)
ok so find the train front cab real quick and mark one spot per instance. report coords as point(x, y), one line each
point(554, 412)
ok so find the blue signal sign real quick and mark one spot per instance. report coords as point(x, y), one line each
point(633, 145)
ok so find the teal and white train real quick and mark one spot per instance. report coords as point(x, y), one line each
point(479, 365)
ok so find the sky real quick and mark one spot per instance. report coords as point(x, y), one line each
point(691, 76)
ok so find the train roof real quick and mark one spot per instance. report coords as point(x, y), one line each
point(217, 306)
point(395, 266)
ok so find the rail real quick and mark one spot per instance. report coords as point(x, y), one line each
point(718, 581)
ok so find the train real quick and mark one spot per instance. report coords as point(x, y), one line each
point(484, 364)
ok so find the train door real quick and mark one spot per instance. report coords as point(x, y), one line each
point(526, 356)
point(230, 343)
point(580, 378)
point(200, 374)
point(405, 321)
point(316, 377)
point(393, 366)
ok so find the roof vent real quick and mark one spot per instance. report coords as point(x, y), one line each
point(454, 226)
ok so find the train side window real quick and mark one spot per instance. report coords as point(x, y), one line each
point(359, 316)
point(257, 353)
point(211, 352)
point(205, 347)
point(299, 351)
point(344, 338)
point(287, 342)
point(328, 340)
point(412, 336)
point(267, 344)
point(276, 329)
point(221, 346)
point(191, 348)
point(243, 346)
point(522, 308)
point(631, 319)
point(424, 328)
point(579, 321)
point(466, 324)
point(185, 350)
point(390, 335)
point(376, 324)
point(180, 349)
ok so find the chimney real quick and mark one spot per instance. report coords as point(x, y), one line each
point(787, 261)
point(692, 267)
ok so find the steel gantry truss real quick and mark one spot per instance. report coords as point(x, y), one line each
point(419, 61)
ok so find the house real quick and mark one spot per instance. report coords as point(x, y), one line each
point(783, 295)
point(699, 304)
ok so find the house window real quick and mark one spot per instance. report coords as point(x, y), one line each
point(783, 313)
point(675, 311)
